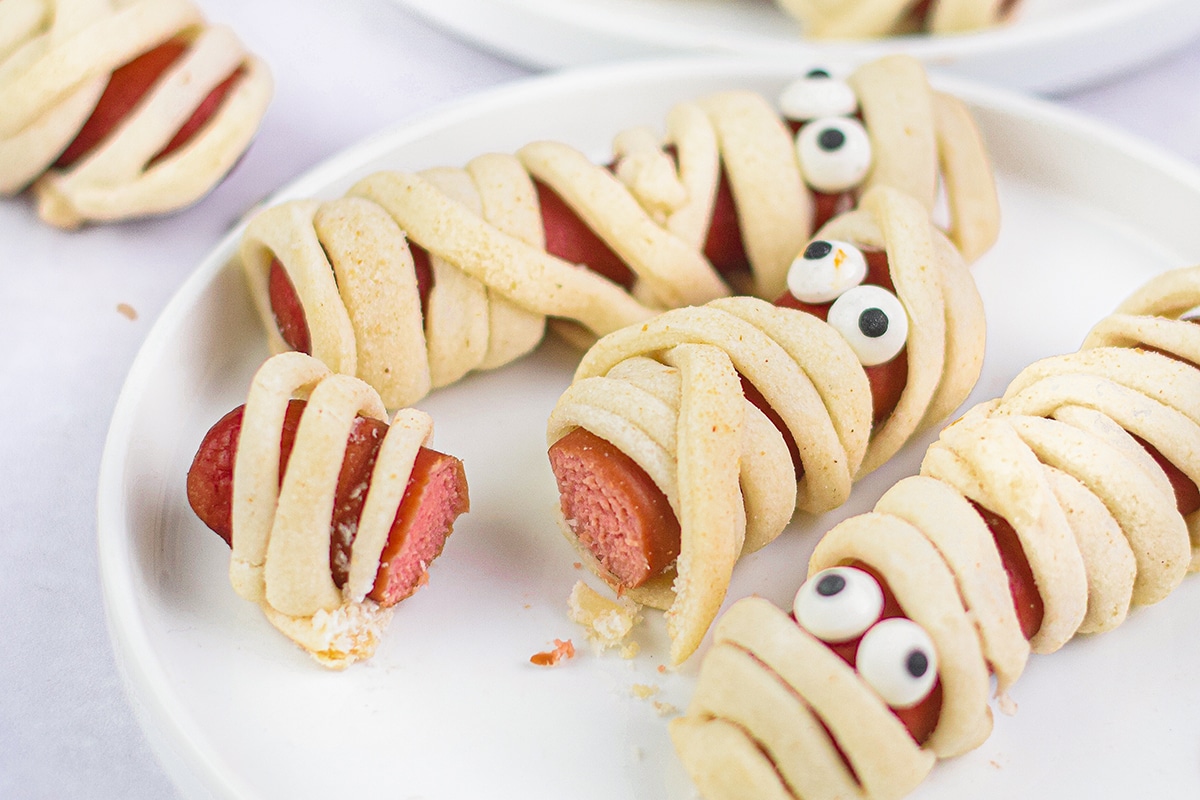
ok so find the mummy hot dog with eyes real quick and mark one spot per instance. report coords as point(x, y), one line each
point(1042, 514)
point(413, 280)
point(855, 19)
point(113, 109)
point(692, 438)
point(333, 511)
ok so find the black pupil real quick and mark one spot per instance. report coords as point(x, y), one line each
point(917, 663)
point(873, 322)
point(817, 73)
point(831, 139)
point(830, 585)
point(818, 250)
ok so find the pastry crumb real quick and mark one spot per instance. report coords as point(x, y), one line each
point(127, 311)
point(665, 709)
point(1007, 706)
point(608, 622)
point(630, 650)
point(563, 649)
point(643, 691)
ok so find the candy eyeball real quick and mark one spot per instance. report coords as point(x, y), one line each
point(817, 94)
point(897, 659)
point(873, 321)
point(838, 604)
point(834, 153)
point(825, 270)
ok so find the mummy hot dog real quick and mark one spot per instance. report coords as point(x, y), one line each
point(692, 438)
point(113, 109)
point(1042, 514)
point(413, 280)
point(333, 511)
point(855, 19)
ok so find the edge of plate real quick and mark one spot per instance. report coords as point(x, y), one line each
point(554, 36)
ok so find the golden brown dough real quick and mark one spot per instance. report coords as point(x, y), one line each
point(495, 287)
point(55, 62)
point(667, 394)
point(1062, 457)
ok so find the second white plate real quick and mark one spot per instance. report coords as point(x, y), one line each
point(450, 707)
point(1053, 46)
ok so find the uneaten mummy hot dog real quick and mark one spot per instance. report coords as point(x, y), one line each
point(1045, 513)
point(854, 19)
point(333, 511)
point(115, 109)
point(687, 440)
point(413, 280)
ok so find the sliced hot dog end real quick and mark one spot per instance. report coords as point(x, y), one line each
point(614, 509)
point(435, 497)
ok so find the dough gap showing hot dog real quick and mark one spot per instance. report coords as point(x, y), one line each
point(356, 508)
point(859, 19)
point(730, 416)
point(1043, 514)
point(413, 280)
point(116, 110)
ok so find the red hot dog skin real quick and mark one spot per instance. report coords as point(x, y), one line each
point(669, 395)
point(349, 529)
point(117, 112)
point(1048, 512)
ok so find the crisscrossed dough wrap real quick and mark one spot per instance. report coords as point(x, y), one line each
point(807, 373)
point(55, 62)
point(854, 19)
point(494, 284)
point(1097, 517)
point(281, 529)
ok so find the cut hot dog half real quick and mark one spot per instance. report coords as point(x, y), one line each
point(708, 405)
point(115, 111)
point(333, 512)
point(1046, 513)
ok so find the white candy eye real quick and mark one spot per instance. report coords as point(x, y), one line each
point(834, 152)
point(897, 659)
point(825, 270)
point(817, 94)
point(873, 321)
point(838, 604)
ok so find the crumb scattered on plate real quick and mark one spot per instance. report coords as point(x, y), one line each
point(643, 691)
point(608, 622)
point(127, 311)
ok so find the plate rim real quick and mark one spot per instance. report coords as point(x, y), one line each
point(975, 48)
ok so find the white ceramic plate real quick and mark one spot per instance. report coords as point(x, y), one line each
point(1054, 45)
point(450, 707)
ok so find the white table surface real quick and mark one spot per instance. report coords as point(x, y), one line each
point(343, 70)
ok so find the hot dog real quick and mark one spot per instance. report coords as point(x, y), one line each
point(1045, 513)
point(413, 280)
point(113, 111)
point(332, 512)
point(855, 19)
point(672, 396)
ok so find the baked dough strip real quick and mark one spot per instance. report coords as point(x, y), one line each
point(55, 61)
point(494, 286)
point(700, 441)
point(1060, 458)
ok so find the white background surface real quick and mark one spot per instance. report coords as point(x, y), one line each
point(343, 70)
